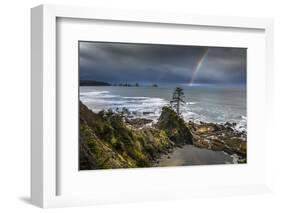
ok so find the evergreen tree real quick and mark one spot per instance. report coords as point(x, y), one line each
point(178, 99)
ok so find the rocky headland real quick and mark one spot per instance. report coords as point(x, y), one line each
point(111, 140)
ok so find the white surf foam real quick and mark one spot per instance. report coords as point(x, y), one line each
point(150, 107)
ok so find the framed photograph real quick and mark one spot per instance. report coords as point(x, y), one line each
point(129, 106)
point(152, 105)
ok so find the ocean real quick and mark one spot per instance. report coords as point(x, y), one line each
point(202, 103)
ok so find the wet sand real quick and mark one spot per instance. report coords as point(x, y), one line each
point(191, 155)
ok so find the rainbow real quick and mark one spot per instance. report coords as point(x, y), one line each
point(197, 68)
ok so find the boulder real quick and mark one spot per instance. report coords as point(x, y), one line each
point(174, 126)
point(138, 122)
point(201, 143)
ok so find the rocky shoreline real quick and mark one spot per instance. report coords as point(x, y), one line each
point(220, 137)
point(110, 140)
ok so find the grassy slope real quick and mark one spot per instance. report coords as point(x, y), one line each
point(107, 142)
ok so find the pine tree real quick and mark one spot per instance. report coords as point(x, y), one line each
point(178, 99)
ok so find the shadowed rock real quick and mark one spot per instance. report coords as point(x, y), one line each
point(174, 126)
point(107, 141)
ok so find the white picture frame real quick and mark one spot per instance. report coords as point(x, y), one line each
point(44, 154)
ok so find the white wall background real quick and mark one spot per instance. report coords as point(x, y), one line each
point(15, 103)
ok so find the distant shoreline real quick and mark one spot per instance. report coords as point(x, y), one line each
point(102, 83)
point(93, 83)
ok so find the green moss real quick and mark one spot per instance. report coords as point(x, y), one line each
point(174, 126)
point(113, 144)
point(113, 140)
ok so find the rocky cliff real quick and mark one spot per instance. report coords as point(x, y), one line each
point(174, 127)
point(108, 141)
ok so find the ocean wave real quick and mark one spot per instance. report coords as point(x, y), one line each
point(137, 98)
point(151, 108)
point(94, 93)
point(191, 103)
point(98, 95)
point(241, 125)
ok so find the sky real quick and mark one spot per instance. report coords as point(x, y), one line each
point(161, 64)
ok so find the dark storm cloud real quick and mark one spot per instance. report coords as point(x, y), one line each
point(143, 63)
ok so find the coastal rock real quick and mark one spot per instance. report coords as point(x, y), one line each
point(86, 158)
point(174, 126)
point(237, 145)
point(217, 145)
point(203, 127)
point(111, 140)
point(201, 143)
point(138, 122)
point(107, 141)
point(220, 137)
